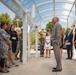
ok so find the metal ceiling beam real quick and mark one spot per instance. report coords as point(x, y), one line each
point(22, 0)
point(11, 9)
point(46, 10)
point(37, 9)
point(56, 15)
point(51, 19)
point(47, 15)
point(42, 3)
point(56, 9)
point(48, 2)
point(61, 16)
point(19, 5)
point(71, 9)
point(68, 2)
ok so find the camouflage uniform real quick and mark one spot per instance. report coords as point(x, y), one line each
point(41, 47)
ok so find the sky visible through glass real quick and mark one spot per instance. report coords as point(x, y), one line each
point(44, 10)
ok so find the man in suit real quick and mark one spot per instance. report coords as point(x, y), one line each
point(69, 44)
point(56, 41)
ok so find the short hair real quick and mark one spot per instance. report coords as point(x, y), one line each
point(57, 18)
point(2, 24)
point(7, 23)
point(46, 33)
point(69, 28)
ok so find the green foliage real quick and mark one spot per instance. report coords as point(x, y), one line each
point(32, 41)
point(64, 31)
point(49, 26)
point(20, 23)
point(5, 18)
point(33, 38)
point(14, 22)
point(40, 32)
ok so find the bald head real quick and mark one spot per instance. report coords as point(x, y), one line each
point(55, 20)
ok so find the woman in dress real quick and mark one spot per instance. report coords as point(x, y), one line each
point(5, 44)
point(10, 56)
point(62, 43)
point(75, 39)
point(14, 40)
point(47, 45)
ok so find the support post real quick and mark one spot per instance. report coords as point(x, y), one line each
point(28, 41)
point(74, 50)
point(36, 41)
point(75, 8)
point(24, 38)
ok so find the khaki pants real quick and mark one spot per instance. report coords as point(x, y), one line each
point(56, 48)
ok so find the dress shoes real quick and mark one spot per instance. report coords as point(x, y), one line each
point(56, 70)
point(67, 58)
point(54, 67)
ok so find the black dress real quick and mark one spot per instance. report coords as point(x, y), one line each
point(14, 39)
point(62, 41)
point(75, 40)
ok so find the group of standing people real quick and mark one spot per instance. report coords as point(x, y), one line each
point(45, 44)
point(9, 41)
point(8, 46)
point(57, 38)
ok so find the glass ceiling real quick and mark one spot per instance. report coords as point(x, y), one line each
point(46, 9)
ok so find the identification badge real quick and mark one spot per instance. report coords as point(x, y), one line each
point(14, 38)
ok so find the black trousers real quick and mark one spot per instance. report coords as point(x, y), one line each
point(69, 51)
point(2, 60)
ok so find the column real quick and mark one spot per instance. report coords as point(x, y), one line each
point(74, 51)
point(36, 41)
point(28, 41)
point(41, 24)
point(24, 38)
point(75, 8)
point(33, 11)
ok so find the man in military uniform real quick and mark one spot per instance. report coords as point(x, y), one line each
point(41, 41)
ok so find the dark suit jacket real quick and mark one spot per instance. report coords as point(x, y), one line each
point(69, 38)
point(75, 37)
